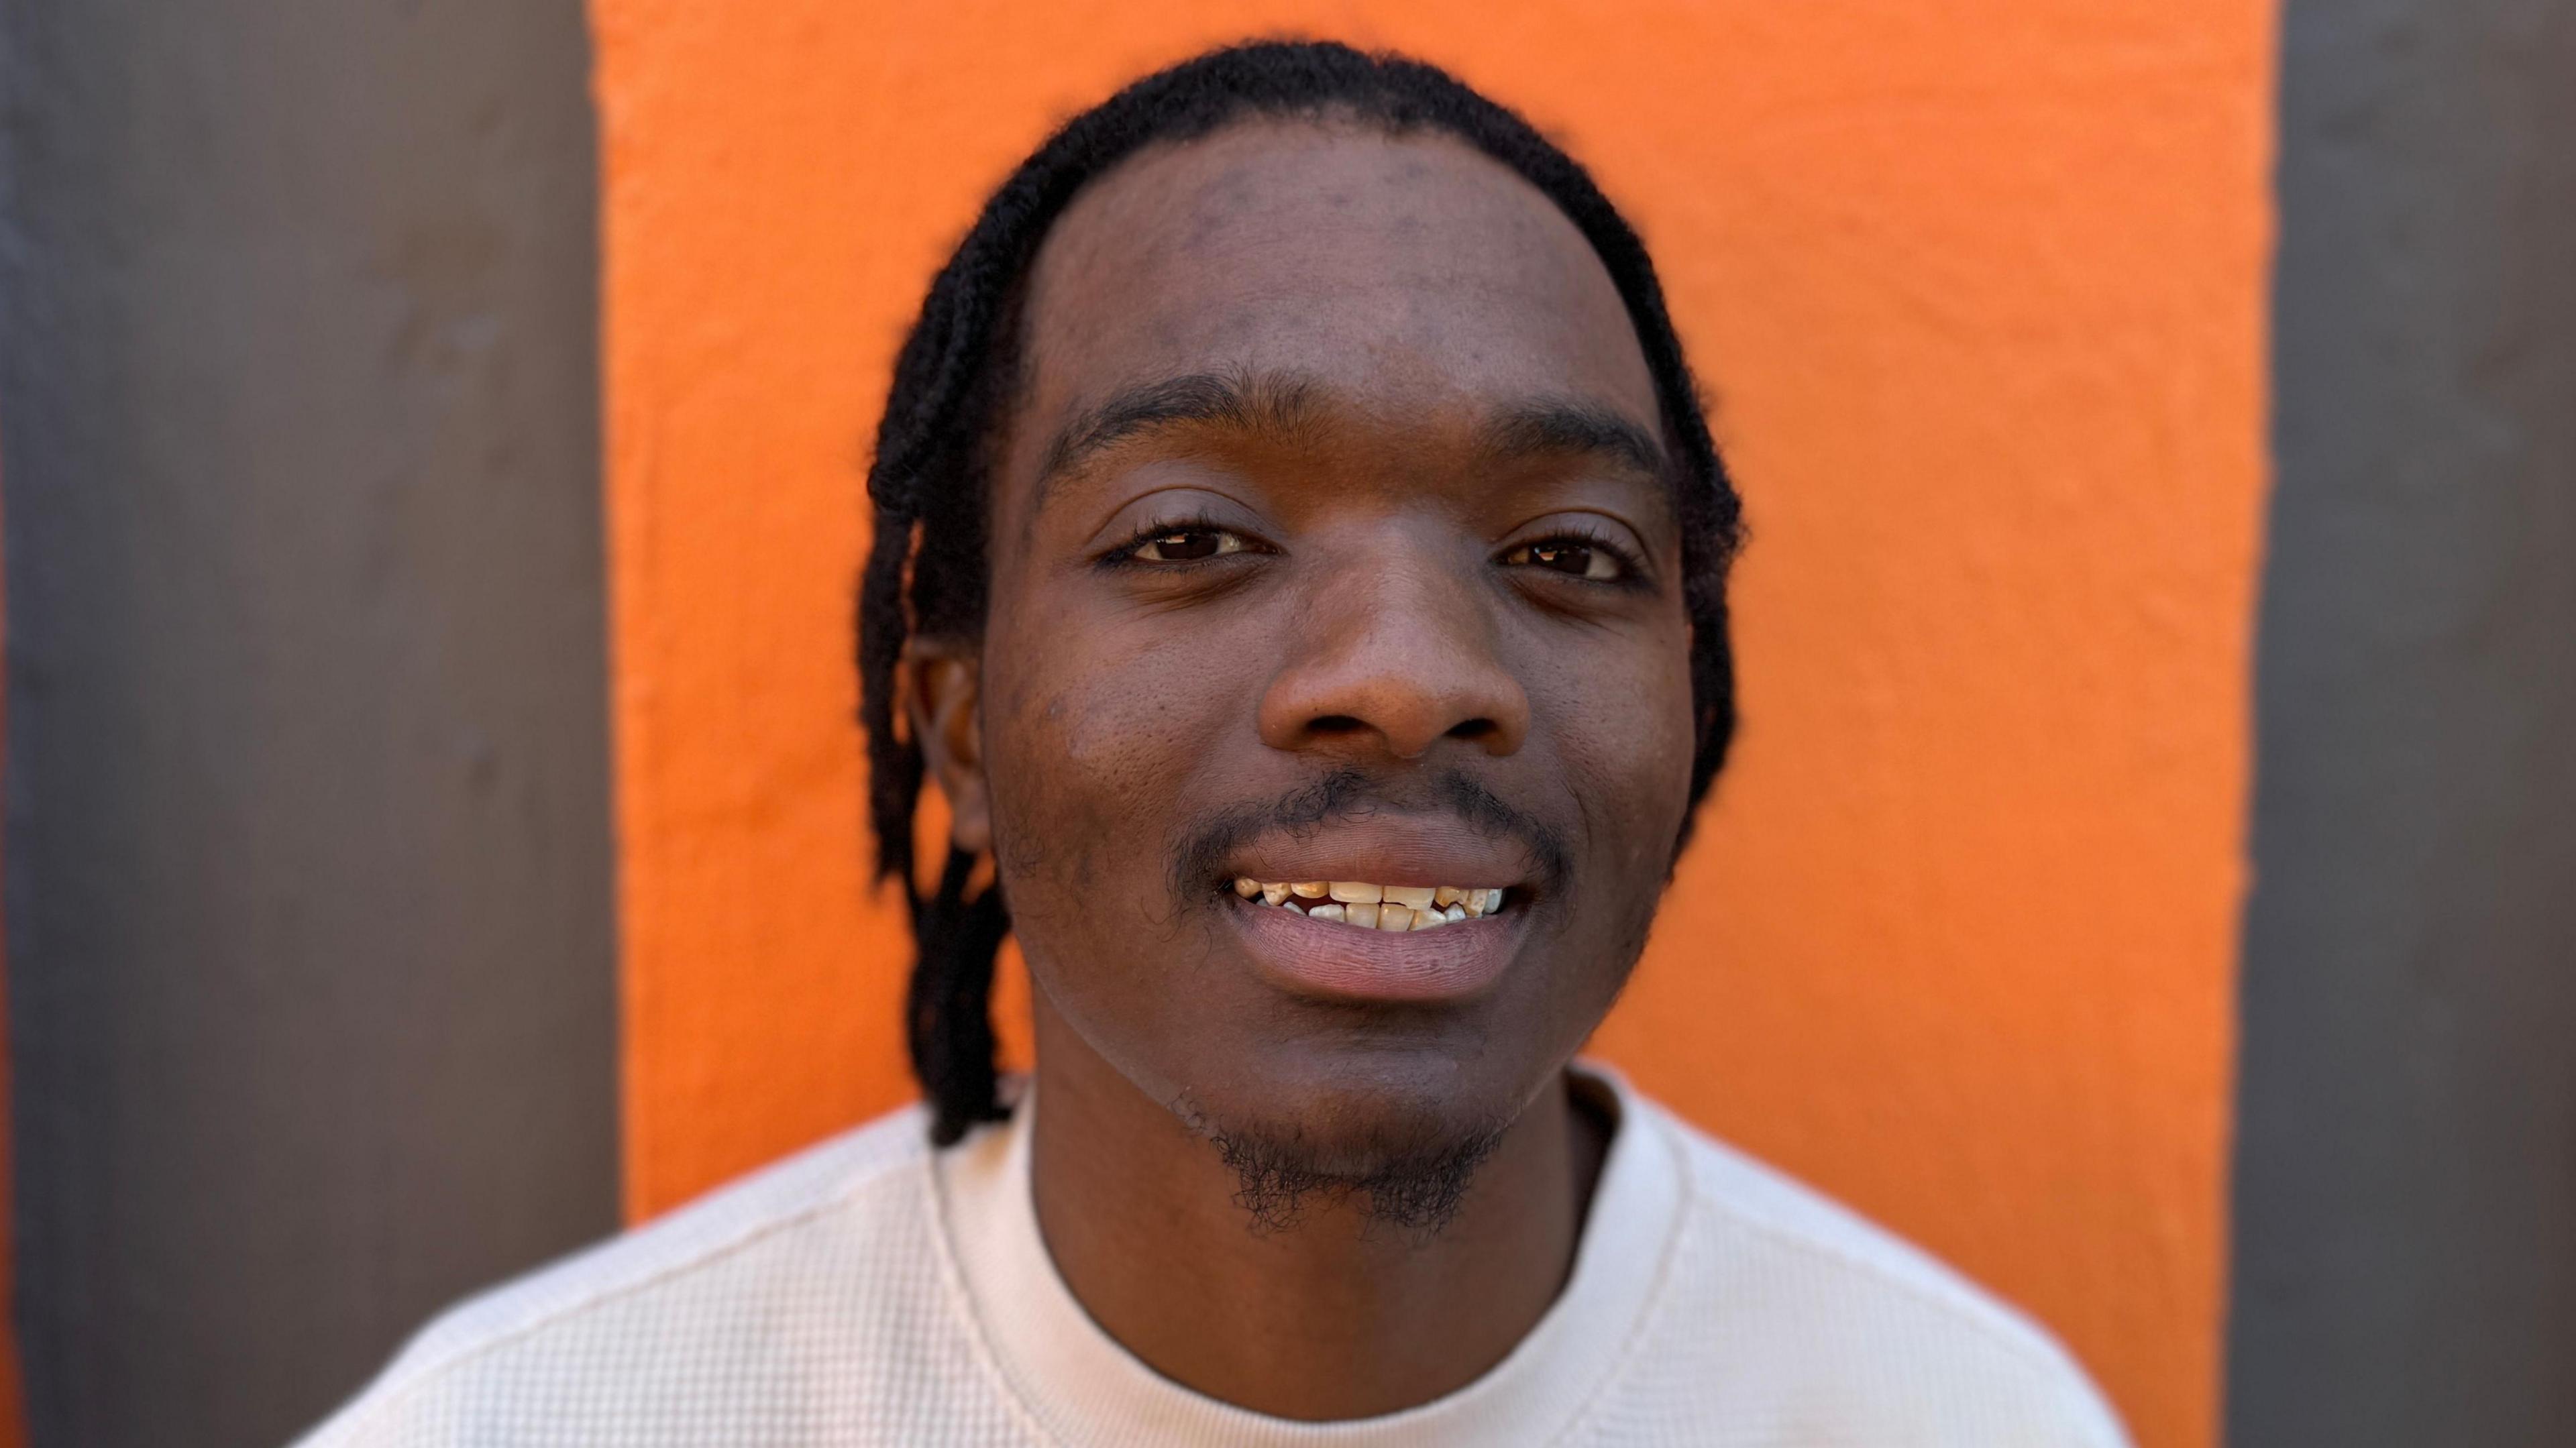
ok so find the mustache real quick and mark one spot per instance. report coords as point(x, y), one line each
point(1349, 793)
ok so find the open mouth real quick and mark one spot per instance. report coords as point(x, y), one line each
point(1365, 942)
point(1366, 905)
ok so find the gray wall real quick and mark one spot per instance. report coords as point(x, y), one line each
point(310, 957)
point(2406, 1173)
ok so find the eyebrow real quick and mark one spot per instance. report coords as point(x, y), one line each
point(1276, 403)
point(1573, 426)
point(1281, 404)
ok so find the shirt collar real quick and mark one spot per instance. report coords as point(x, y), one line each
point(1090, 1392)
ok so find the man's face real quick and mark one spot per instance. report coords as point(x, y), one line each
point(1329, 543)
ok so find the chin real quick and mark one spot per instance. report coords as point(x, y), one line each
point(1396, 1136)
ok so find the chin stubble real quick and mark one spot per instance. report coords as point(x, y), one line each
point(1414, 1188)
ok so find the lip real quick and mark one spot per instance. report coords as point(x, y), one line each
point(1324, 960)
point(1391, 850)
point(1332, 961)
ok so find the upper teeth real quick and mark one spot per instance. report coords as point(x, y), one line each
point(1372, 906)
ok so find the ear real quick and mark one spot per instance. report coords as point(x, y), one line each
point(942, 681)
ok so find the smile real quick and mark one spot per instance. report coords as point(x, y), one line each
point(1364, 905)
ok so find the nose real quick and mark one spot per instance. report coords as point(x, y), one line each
point(1397, 652)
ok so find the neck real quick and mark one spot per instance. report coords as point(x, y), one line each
point(1329, 1318)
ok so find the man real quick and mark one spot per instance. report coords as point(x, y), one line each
point(1299, 563)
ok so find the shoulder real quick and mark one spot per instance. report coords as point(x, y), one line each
point(728, 1276)
point(1838, 1322)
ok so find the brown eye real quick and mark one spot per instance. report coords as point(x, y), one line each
point(1187, 545)
point(1570, 556)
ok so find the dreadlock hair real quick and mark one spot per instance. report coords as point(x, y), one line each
point(958, 372)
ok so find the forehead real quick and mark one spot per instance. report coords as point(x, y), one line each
point(1395, 273)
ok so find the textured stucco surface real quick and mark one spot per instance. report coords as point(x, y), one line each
point(2406, 1177)
point(310, 946)
point(1981, 299)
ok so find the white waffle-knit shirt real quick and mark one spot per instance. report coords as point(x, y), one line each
point(875, 1291)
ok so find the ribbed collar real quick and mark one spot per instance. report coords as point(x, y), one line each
point(1090, 1392)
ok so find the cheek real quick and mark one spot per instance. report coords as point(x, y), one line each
point(1620, 719)
point(1090, 748)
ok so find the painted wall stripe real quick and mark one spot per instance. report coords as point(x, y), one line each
point(310, 942)
point(13, 1388)
point(2406, 1165)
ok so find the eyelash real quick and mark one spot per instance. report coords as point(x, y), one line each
point(1631, 570)
point(1124, 555)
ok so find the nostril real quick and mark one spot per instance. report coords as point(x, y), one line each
point(1474, 729)
point(1335, 724)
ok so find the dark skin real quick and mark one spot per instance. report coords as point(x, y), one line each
point(1405, 526)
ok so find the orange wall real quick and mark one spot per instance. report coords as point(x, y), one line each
point(1980, 292)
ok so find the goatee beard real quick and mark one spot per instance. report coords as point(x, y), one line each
point(1414, 1190)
